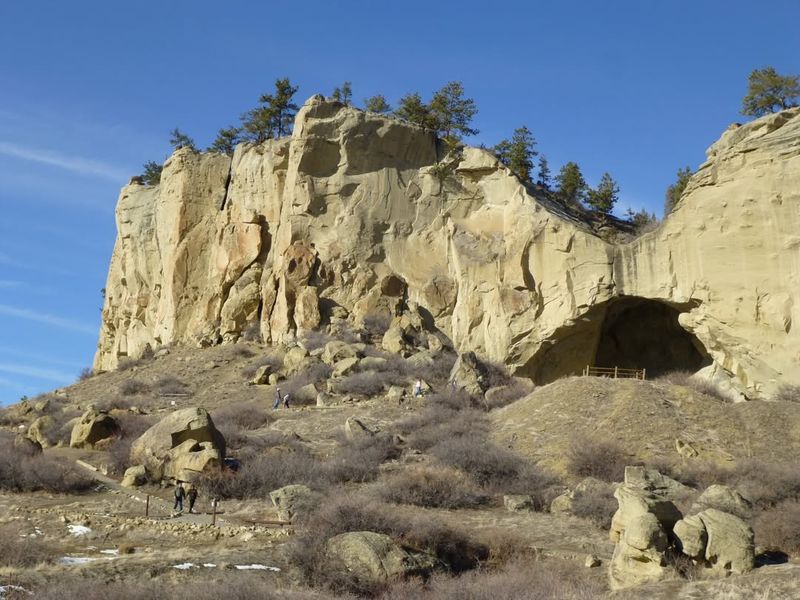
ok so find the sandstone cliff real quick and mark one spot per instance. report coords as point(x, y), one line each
point(349, 218)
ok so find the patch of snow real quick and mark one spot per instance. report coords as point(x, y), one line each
point(11, 588)
point(70, 561)
point(185, 566)
point(113, 552)
point(209, 565)
point(256, 568)
point(78, 529)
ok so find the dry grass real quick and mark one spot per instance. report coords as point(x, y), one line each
point(596, 504)
point(601, 459)
point(788, 393)
point(686, 379)
point(130, 428)
point(432, 487)
point(169, 384)
point(21, 551)
point(132, 387)
point(779, 528)
point(273, 362)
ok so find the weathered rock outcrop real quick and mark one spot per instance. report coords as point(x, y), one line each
point(347, 219)
point(181, 446)
point(94, 427)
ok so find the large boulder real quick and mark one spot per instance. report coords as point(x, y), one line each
point(470, 374)
point(725, 499)
point(134, 476)
point(640, 528)
point(181, 446)
point(42, 431)
point(718, 541)
point(654, 481)
point(290, 499)
point(374, 558)
point(94, 427)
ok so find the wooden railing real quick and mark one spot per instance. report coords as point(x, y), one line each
point(615, 372)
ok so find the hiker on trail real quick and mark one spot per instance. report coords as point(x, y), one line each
point(277, 402)
point(418, 388)
point(191, 495)
point(286, 401)
point(180, 494)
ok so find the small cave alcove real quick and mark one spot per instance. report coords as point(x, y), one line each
point(629, 332)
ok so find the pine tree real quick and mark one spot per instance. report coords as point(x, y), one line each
point(152, 173)
point(226, 140)
point(604, 196)
point(179, 140)
point(769, 92)
point(517, 154)
point(544, 172)
point(571, 185)
point(274, 117)
point(452, 113)
point(675, 191)
point(343, 94)
point(414, 110)
point(377, 104)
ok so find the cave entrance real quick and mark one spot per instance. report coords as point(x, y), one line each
point(628, 332)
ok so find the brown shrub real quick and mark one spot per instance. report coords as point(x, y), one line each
point(59, 429)
point(20, 551)
point(131, 427)
point(520, 580)
point(169, 384)
point(314, 340)
point(131, 387)
point(764, 483)
point(601, 459)
point(375, 325)
point(510, 392)
point(779, 528)
point(788, 393)
point(365, 383)
point(246, 416)
point(23, 472)
point(85, 374)
point(431, 487)
point(343, 513)
point(596, 504)
point(252, 332)
point(126, 364)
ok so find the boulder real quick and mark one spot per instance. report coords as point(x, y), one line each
point(295, 359)
point(562, 503)
point(94, 427)
point(394, 340)
point(725, 499)
point(26, 445)
point(134, 476)
point(518, 502)
point(371, 363)
point(356, 431)
point(262, 375)
point(345, 366)
point(181, 446)
point(290, 499)
point(692, 537)
point(337, 350)
point(395, 393)
point(306, 309)
point(324, 399)
point(653, 481)
point(41, 431)
point(470, 374)
point(635, 501)
point(374, 558)
point(730, 547)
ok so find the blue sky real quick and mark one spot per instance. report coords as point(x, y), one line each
point(89, 91)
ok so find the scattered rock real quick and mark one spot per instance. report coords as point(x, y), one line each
point(592, 561)
point(345, 366)
point(356, 431)
point(134, 476)
point(685, 449)
point(470, 374)
point(653, 481)
point(725, 499)
point(41, 431)
point(262, 375)
point(336, 351)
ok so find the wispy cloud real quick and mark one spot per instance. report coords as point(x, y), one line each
point(8, 283)
point(37, 372)
point(54, 320)
point(26, 355)
point(75, 164)
point(13, 385)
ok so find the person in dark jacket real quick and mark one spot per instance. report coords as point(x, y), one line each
point(191, 496)
point(180, 494)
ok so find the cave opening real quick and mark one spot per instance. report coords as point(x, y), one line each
point(629, 332)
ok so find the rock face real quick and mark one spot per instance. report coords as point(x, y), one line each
point(180, 447)
point(718, 541)
point(346, 219)
point(94, 427)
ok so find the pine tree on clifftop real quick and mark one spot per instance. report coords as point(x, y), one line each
point(343, 94)
point(226, 140)
point(604, 196)
point(769, 92)
point(274, 117)
point(571, 185)
point(518, 152)
point(377, 104)
point(179, 140)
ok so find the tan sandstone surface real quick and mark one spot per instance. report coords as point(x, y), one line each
point(349, 219)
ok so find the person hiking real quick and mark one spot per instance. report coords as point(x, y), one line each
point(180, 494)
point(418, 388)
point(286, 401)
point(277, 402)
point(191, 495)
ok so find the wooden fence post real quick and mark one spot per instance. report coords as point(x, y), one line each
point(147, 506)
point(213, 512)
point(644, 374)
point(615, 372)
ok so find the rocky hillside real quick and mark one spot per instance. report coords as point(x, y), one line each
point(353, 218)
